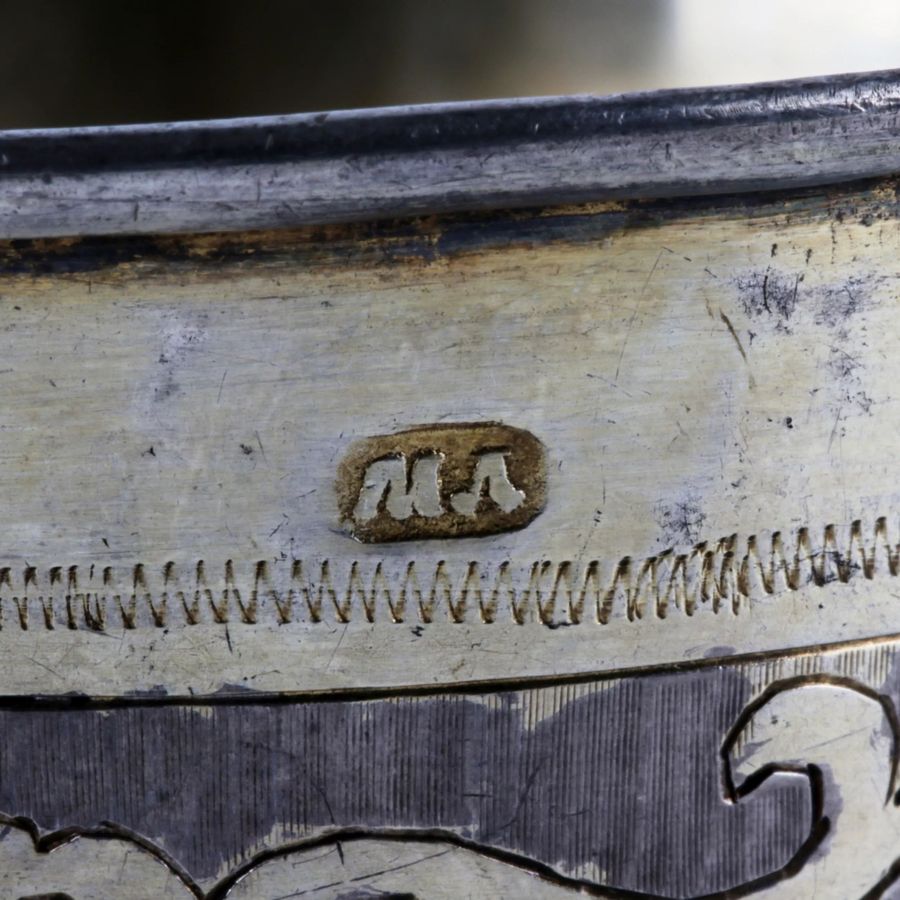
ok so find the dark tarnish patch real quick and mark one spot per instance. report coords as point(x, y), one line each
point(682, 521)
point(421, 240)
point(377, 895)
point(778, 295)
point(499, 233)
point(847, 370)
point(622, 779)
point(156, 692)
point(442, 481)
point(54, 896)
point(769, 294)
point(836, 307)
point(840, 302)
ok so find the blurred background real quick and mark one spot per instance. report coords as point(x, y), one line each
point(74, 62)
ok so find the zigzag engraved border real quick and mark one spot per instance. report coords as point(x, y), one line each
point(724, 576)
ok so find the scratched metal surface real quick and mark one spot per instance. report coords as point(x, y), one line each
point(285, 171)
point(552, 549)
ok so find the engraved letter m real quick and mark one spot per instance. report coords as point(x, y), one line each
point(403, 490)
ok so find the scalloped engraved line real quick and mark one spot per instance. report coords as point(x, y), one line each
point(724, 575)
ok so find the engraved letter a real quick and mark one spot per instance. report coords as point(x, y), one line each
point(490, 473)
point(386, 480)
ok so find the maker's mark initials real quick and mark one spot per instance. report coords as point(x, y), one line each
point(442, 481)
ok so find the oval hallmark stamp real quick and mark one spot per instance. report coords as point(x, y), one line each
point(442, 481)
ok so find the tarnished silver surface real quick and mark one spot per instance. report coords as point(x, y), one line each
point(499, 554)
point(281, 172)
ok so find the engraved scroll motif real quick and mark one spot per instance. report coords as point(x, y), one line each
point(823, 743)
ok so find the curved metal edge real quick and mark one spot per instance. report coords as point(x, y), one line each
point(344, 166)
